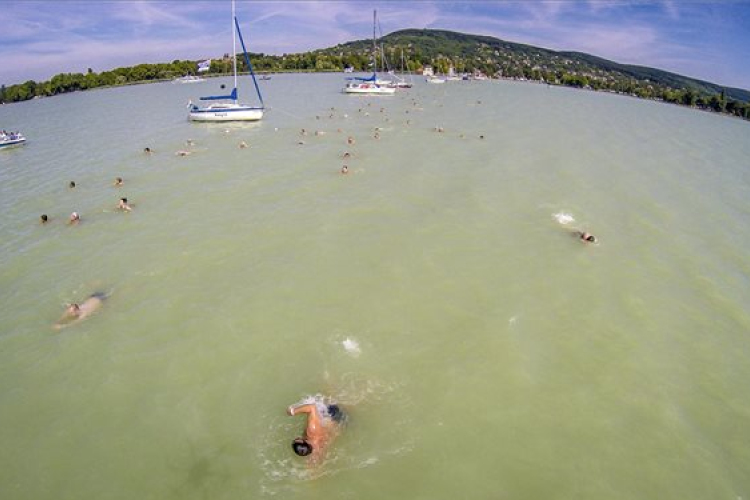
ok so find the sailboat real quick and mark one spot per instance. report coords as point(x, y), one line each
point(230, 109)
point(401, 82)
point(369, 85)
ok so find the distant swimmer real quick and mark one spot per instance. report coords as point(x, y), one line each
point(587, 237)
point(75, 218)
point(344, 169)
point(350, 140)
point(346, 154)
point(72, 184)
point(123, 205)
point(43, 218)
point(190, 142)
point(182, 152)
point(323, 425)
point(118, 181)
point(242, 145)
point(77, 312)
point(147, 150)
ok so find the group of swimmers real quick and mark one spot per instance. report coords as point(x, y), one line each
point(75, 217)
point(76, 312)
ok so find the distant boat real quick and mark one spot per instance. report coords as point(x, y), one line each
point(369, 85)
point(188, 79)
point(435, 79)
point(265, 77)
point(401, 82)
point(452, 76)
point(230, 111)
point(8, 139)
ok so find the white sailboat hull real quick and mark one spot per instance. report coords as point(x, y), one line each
point(368, 88)
point(225, 113)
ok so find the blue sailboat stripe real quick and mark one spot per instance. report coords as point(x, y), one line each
point(196, 109)
point(232, 96)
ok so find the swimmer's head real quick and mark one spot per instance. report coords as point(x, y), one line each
point(301, 447)
point(588, 237)
point(74, 309)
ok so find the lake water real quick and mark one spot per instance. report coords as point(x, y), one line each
point(436, 292)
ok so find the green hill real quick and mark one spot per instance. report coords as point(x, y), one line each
point(475, 52)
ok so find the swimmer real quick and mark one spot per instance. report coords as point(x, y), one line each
point(74, 218)
point(123, 205)
point(242, 145)
point(72, 184)
point(43, 218)
point(182, 152)
point(586, 237)
point(350, 140)
point(346, 154)
point(118, 181)
point(344, 169)
point(77, 312)
point(323, 424)
point(147, 150)
point(190, 142)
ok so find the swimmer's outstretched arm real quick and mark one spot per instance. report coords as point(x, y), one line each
point(307, 408)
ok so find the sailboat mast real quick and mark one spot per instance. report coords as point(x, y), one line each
point(374, 45)
point(234, 52)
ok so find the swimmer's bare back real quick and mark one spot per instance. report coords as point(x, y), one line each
point(318, 433)
point(86, 309)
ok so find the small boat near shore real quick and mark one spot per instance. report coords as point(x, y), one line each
point(188, 79)
point(8, 139)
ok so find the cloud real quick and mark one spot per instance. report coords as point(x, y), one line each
point(52, 36)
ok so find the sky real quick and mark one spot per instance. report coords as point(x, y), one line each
point(709, 40)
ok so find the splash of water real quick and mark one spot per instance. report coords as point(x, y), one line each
point(563, 218)
point(351, 346)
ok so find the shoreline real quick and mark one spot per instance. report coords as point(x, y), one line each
point(306, 72)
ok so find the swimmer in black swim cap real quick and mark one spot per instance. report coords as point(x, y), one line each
point(301, 447)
